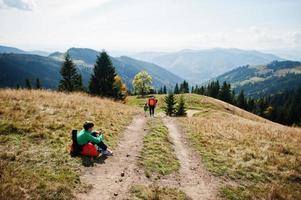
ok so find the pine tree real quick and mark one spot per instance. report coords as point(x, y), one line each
point(38, 84)
point(181, 108)
point(262, 106)
point(78, 83)
point(233, 98)
point(28, 84)
point(164, 90)
point(160, 91)
point(71, 78)
point(241, 100)
point(225, 93)
point(103, 77)
point(213, 89)
point(176, 90)
point(170, 103)
point(184, 87)
point(250, 105)
point(202, 90)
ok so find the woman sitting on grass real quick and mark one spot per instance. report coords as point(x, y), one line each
point(88, 135)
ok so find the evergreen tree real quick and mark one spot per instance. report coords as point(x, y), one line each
point(103, 77)
point(262, 106)
point(213, 89)
point(241, 100)
point(164, 90)
point(78, 84)
point(160, 91)
point(195, 89)
point(202, 90)
point(28, 84)
point(170, 103)
point(233, 99)
point(225, 93)
point(176, 90)
point(71, 78)
point(251, 105)
point(181, 108)
point(38, 84)
point(184, 87)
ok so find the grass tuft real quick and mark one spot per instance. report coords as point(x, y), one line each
point(158, 156)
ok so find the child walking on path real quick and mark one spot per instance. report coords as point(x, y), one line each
point(145, 109)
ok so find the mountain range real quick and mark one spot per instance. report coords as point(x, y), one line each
point(261, 80)
point(234, 66)
point(23, 65)
point(6, 49)
point(198, 66)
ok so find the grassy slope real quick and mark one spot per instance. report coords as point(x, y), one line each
point(35, 131)
point(263, 157)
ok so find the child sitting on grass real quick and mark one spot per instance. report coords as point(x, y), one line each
point(87, 135)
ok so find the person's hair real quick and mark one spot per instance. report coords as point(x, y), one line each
point(88, 125)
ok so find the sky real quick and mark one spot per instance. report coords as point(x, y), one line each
point(156, 25)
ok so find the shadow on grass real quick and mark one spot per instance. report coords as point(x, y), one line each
point(88, 161)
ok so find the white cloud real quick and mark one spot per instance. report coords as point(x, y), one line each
point(18, 4)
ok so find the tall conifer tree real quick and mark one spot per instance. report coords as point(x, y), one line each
point(103, 77)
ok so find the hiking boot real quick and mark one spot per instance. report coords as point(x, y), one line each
point(107, 153)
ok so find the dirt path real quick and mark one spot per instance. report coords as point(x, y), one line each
point(106, 178)
point(194, 180)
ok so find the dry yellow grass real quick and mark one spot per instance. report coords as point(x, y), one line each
point(35, 128)
point(263, 157)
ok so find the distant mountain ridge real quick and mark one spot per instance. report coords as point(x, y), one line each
point(261, 80)
point(125, 66)
point(23, 66)
point(6, 49)
point(198, 66)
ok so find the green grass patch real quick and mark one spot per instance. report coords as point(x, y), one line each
point(192, 101)
point(158, 156)
point(152, 192)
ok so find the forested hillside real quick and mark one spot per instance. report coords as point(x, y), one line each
point(262, 80)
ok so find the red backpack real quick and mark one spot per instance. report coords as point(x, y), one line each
point(152, 102)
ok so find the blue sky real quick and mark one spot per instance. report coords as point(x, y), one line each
point(157, 25)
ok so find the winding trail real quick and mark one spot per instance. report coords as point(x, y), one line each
point(109, 182)
point(194, 180)
point(106, 178)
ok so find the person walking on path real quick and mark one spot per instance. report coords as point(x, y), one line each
point(152, 102)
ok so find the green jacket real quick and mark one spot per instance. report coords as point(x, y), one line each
point(83, 137)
